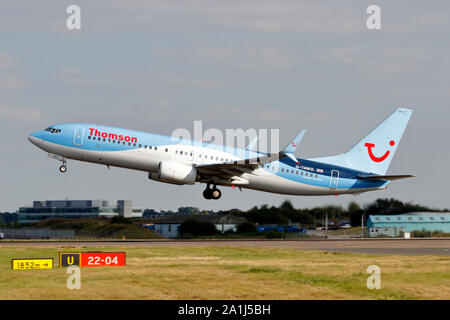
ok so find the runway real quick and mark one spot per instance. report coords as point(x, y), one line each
point(368, 246)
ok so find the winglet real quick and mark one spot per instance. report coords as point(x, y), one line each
point(293, 145)
point(251, 146)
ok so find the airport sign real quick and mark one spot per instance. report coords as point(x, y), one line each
point(92, 259)
point(32, 264)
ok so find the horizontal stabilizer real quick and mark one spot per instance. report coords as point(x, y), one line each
point(390, 178)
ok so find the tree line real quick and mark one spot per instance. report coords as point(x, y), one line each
point(286, 212)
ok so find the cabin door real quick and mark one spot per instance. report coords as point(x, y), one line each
point(78, 136)
point(334, 179)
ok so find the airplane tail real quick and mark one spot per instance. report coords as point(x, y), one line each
point(375, 152)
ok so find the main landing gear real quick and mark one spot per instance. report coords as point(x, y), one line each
point(212, 192)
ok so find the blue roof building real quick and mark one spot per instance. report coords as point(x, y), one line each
point(395, 225)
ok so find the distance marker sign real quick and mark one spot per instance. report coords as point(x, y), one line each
point(32, 264)
point(92, 259)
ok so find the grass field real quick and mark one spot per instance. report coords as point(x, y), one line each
point(229, 273)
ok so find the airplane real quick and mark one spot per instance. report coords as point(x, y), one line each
point(185, 162)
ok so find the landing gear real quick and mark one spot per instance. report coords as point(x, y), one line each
point(212, 193)
point(63, 168)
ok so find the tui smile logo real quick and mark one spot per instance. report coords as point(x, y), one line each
point(370, 146)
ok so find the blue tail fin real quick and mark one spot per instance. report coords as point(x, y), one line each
point(375, 152)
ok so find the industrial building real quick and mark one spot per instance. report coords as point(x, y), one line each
point(76, 209)
point(168, 227)
point(398, 225)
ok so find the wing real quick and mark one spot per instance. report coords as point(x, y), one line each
point(231, 173)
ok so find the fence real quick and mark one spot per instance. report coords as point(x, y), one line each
point(38, 234)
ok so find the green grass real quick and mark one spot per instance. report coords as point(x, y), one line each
point(228, 273)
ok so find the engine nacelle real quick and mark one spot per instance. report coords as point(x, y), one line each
point(175, 173)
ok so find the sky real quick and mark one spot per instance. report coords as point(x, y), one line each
point(157, 66)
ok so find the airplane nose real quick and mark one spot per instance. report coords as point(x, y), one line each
point(34, 139)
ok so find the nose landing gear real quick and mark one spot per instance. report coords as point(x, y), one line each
point(212, 192)
point(63, 168)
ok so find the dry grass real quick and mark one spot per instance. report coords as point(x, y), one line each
point(230, 273)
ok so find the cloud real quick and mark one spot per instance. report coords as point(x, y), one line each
point(11, 81)
point(386, 60)
point(7, 61)
point(261, 16)
point(20, 114)
point(176, 80)
point(247, 57)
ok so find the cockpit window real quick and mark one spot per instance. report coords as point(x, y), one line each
point(53, 130)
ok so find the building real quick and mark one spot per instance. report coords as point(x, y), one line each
point(76, 209)
point(397, 225)
point(168, 227)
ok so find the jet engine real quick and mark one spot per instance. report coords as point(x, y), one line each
point(175, 173)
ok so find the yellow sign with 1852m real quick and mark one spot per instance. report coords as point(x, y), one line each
point(32, 264)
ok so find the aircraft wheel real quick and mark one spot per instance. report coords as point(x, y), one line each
point(207, 194)
point(63, 168)
point(216, 194)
